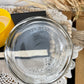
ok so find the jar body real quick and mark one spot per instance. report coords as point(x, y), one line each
point(38, 50)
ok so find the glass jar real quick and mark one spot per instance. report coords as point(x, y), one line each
point(38, 50)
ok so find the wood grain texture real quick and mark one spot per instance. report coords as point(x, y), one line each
point(79, 73)
point(79, 77)
point(68, 14)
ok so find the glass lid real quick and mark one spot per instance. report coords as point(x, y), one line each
point(38, 50)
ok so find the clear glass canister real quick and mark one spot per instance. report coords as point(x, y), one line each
point(38, 50)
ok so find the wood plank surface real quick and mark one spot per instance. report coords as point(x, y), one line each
point(79, 73)
point(79, 70)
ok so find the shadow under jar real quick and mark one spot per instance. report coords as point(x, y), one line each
point(38, 50)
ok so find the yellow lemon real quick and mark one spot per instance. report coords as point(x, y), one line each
point(6, 25)
point(2, 26)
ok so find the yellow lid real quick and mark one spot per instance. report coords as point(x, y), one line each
point(6, 24)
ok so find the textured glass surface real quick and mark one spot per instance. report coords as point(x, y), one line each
point(38, 50)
